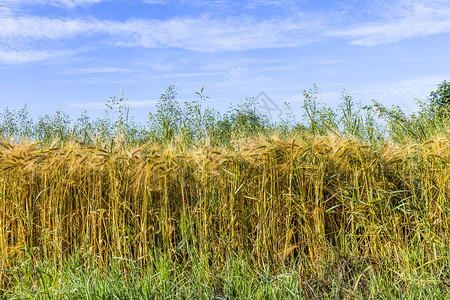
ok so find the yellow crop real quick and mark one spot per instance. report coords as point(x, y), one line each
point(272, 200)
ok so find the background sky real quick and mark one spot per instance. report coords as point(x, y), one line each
point(74, 55)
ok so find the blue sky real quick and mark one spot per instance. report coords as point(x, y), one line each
point(74, 55)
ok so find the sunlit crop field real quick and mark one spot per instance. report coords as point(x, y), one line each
point(351, 203)
point(305, 207)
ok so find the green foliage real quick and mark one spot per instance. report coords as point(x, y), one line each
point(441, 96)
point(50, 127)
point(16, 124)
point(166, 122)
point(352, 121)
point(320, 119)
point(195, 124)
point(401, 128)
point(246, 121)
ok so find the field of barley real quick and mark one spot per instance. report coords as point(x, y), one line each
point(275, 214)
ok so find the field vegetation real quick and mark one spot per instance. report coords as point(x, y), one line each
point(352, 202)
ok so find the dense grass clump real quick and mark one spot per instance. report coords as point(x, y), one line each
point(203, 205)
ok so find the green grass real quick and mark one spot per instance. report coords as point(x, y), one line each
point(345, 278)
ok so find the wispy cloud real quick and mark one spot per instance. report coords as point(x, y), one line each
point(61, 3)
point(274, 3)
point(405, 19)
point(26, 38)
point(229, 34)
point(203, 34)
point(190, 74)
point(83, 71)
point(155, 1)
point(30, 28)
point(18, 57)
point(220, 6)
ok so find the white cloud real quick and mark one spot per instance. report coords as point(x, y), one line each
point(235, 34)
point(61, 3)
point(156, 1)
point(213, 35)
point(274, 3)
point(27, 35)
point(200, 34)
point(93, 80)
point(34, 28)
point(18, 57)
point(82, 71)
point(405, 19)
